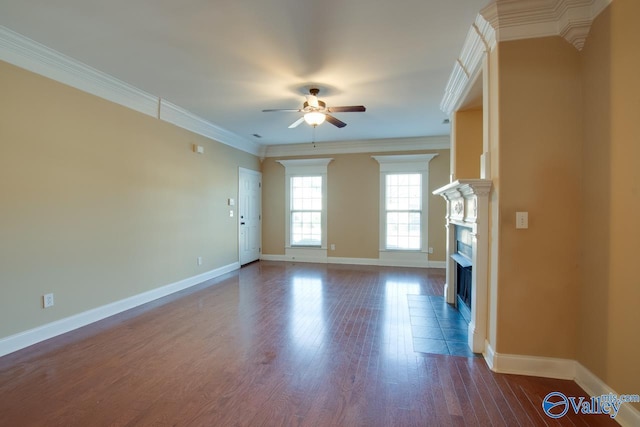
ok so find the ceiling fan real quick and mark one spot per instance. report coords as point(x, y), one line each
point(316, 111)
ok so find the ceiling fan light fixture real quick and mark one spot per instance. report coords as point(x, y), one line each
point(314, 118)
point(316, 112)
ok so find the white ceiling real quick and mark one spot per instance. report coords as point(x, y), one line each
point(225, 61)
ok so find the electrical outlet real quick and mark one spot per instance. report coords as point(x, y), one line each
point(333, 247)
point(430, 250)
point(47, 301)
point(199, 260)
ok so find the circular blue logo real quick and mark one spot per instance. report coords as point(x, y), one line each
point(555, 404)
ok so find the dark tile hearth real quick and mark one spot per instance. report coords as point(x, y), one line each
point(437, 327)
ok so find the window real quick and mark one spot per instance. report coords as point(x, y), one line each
point(306, 207)
point(404, 208)
point(403, 211)
point(306, 211)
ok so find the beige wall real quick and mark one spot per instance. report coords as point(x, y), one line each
point(468, 142)
point(273, 208)
point(610, 295)
point(353, 194)
point(353, 206)
point(566, 150)
point(540, 172)
point(100, 203)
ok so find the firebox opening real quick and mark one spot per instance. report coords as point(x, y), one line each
point(464, 267)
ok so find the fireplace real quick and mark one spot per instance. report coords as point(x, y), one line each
point(463, 257)
point(467, 222)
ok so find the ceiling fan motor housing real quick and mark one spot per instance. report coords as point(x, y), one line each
point(321, 106)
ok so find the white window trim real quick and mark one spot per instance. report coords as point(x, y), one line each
point(405, 163)
point(305, 167)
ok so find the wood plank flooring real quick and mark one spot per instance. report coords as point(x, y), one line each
point(274, 344)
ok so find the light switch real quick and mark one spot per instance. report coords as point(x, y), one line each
point(522, 220)
point(231, 202)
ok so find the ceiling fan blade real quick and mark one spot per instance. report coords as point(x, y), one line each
point(335, 122)
point(347, 109)
point(296, 123)
point(281, 109)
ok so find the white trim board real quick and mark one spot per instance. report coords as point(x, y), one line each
point(184, 119)
point(527, 19)
point(30, 55)
point(24, 339)
point(566, 369)
point(515, 20)
point(38, 58)
point(547, 367)
point(480, 40)
point(442, 142)
point(628, 416)
point(25, 53)
point(352, 261)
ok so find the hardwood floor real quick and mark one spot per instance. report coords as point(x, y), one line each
point(271, 344)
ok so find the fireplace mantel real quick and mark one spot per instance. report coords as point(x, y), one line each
point(462, 198)
point(468, 206)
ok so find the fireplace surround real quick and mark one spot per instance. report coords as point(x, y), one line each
point(468, 209)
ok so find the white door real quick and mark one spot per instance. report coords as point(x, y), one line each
point(249, 215)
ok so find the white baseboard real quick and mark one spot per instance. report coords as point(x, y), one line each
point(489, 354)
point(352, 261)
point(24, 339)
point(565, 369)
point(437, 264)
point(289, 258)
point(535, 366)
point(628, 416)
point(268, 257)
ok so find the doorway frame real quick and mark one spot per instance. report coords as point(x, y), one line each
point(258, 174)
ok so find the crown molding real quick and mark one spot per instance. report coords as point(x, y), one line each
point(524, 19)
point(35, 57)
point(180, 117)
point(481, 38)
point(365, 146)
point(504, 20)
